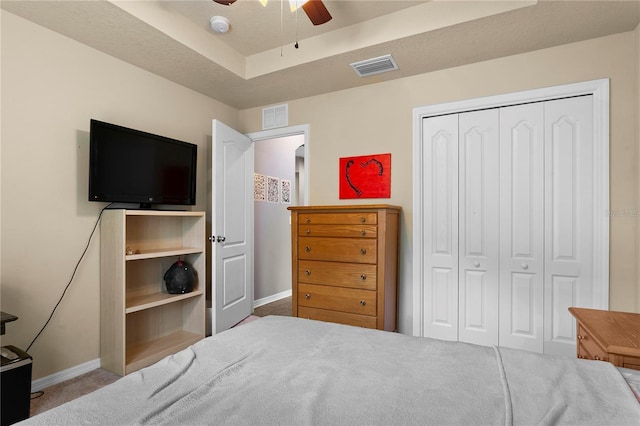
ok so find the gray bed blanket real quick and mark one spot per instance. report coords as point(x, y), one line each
point(290, 371)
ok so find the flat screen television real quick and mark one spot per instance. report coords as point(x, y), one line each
point(131, 166)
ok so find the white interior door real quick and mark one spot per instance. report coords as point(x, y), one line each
point(522, 226)
point(231, 226)
point(478, 227)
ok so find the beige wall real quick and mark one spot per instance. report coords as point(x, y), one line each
point(378, 119)
point(51, 87)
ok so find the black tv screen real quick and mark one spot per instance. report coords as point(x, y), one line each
point(131, 166)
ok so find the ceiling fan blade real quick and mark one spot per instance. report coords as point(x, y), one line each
point(317, 12)
point(225, 2)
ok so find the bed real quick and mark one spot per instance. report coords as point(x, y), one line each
point(283, 370)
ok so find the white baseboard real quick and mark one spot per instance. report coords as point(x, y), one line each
point(272, 298)
point(67, 374)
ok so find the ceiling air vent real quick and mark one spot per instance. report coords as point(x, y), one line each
point(374, 66)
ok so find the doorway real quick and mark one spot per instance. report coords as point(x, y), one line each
point(280, 162)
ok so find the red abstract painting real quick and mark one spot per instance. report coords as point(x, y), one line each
point(367, 176)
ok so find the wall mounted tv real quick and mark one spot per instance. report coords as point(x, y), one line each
point(131, 166)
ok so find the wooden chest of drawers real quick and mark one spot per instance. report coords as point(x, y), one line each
point(345, 264)
point(608, 336)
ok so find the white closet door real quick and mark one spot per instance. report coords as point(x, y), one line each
point(478, 227)
point(522, 226)
point(440, 141)
point(569, 217)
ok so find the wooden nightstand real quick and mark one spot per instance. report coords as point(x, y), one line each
point(608, 336)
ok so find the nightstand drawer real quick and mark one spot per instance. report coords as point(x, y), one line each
point(340, 299)
point(631, 362)
point(358, 250)
point(588, 348)
point(354, 275)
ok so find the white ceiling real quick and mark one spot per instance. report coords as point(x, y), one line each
point(256, 63)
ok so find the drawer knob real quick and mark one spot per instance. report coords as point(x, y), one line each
point(363, 302)
point(307, 220)
point(308, 231)
point(307, 249)
point(580, 337)
point(476, 264)
point(525, 266)
point(308, 272)
point(580, 356)
point(307, 296)
point(363, 219)
point(597, 358)
point(363, 251)
point(363, 277)
point(363, 232)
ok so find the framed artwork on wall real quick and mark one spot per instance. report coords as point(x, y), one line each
point(273, 189)
point(367, 176)
point(259, 184)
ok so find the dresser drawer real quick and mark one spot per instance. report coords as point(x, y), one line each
point(358, 250)
point(361, 302)
point(354, 275)
point(339, 317)
point(362, 231)
point(338, 218)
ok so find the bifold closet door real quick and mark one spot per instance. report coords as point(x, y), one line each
point(508, 205)
point(478, 226)
point(522, 226)
point(440, 209)
point(461, 227)
point(569, 217)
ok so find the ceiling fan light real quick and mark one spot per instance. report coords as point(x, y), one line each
point(295, 4)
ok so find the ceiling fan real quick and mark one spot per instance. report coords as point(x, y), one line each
point(315, 9)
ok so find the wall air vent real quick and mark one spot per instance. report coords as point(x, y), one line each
point(275, 116)
point(374, 66)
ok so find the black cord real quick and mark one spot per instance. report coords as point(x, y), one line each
point(71, 279)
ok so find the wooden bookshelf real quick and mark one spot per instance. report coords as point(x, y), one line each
point(140, 322)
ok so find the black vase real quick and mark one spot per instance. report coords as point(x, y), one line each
point(180, 278)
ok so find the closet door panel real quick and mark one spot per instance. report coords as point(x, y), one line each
point(522, 226)
point(440, 138)
point(569, 216)
point(479, 224)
